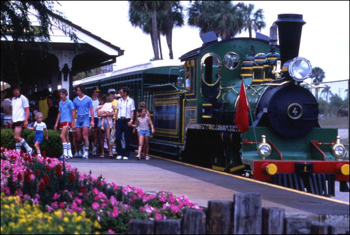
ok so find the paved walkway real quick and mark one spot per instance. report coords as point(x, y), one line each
point(199, 185)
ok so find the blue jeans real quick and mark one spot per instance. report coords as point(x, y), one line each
point(121, 127)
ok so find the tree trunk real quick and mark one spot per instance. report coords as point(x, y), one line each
point(155, 34)
point(169, 39)
point(160, 47)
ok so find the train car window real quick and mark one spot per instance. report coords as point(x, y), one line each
point(231, 60)
point(211, 69)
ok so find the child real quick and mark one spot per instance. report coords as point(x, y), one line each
point(143, 123)
point(39, 127)
point(107, 107)
point(65, 121)
point(142, 106)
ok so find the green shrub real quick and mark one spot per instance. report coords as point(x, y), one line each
point(52, 146)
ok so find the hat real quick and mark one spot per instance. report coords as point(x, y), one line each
point(96, 90)
point(118, 96)
point(111, 90)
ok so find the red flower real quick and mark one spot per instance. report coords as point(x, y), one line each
point(59, 171)
point(48, 168)
point(49, 160)
point(83, 190)
point(42, 185)
point(99, 184)
point(19, 177)
point(71, 177)
point(27, 176)
point(37, 172)
point(46, 179)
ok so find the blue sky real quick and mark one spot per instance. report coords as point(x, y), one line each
point(325, 36)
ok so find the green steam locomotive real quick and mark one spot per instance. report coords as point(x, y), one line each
point(194, 110)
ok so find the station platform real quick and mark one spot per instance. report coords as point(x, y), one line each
point(201, 185)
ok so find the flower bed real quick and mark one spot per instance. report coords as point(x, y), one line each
point(52, 186)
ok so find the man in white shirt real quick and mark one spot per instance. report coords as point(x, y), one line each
point(123, 122)
point(20, 115)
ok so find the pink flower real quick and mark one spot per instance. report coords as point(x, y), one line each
point(158, 216)
point(49, 208)
point(162, 198)
point(174, 208)
point(111, 231)
point(95, 206)
point(115, 212)
point(78, 200)
point(56, 196)
point(54, 205)
point(62, 205)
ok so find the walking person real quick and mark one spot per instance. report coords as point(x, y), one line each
point(95, 132)
point(142, 106)
point(20, 115)
point(85, 118)
point(143, 123)
point(123, 122)
point(65, 122)
point(105, 126)
point(39, 127)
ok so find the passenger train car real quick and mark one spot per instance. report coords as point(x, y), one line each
point(193, 106)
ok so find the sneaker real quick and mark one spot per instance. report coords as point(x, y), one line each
point(125, 158)
point(94, 151)
point(65, 157)
point(138, 157)
point(76, 154)
point(147, 158)
point(80, 154)
point(114, 151)
point(119, 157)
point(30, 151)
point(86, 155)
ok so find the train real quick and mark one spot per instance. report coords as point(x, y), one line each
point(194, 107)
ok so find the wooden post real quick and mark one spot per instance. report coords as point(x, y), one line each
point(272, 220)
point(321, 228)
point(293, 225)
point(247, 213)
point(219, 217)
point(141, 227)
point(170, 226)
point(193, 221)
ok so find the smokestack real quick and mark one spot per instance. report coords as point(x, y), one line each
point(289, 33)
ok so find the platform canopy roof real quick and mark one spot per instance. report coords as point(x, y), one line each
point(40, 64)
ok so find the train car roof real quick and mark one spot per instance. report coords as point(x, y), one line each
point(131, 69)
point(196, 51)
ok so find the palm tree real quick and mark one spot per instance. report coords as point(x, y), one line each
point(139, 13)
point(317, 74)
point(222, 17)
point(327, 92)
point(252, 20)
point(168, 20)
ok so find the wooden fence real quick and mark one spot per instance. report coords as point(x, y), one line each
point(243, 215)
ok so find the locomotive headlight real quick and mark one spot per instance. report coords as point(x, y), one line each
point(338, 150)
point(299, 68)
point(264, 149)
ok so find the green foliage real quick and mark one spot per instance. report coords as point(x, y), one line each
point(18, 218)
point(52, 146)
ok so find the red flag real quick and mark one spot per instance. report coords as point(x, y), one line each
point(242, 119)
